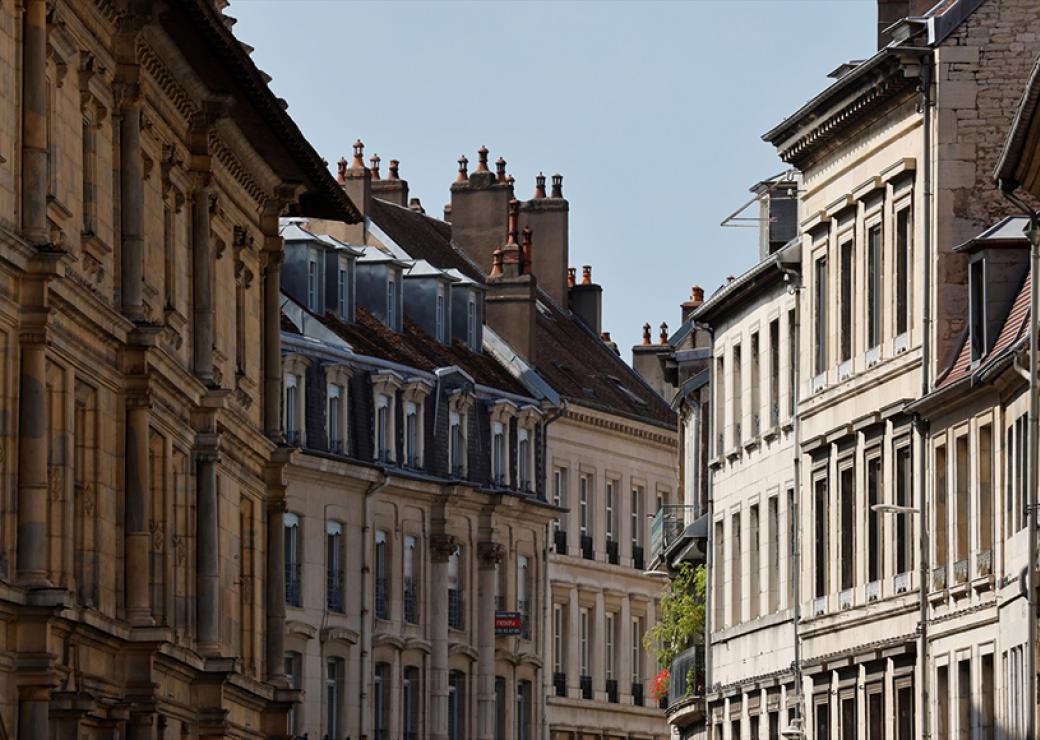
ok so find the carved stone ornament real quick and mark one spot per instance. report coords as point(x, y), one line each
point(56, 482)
point(489, 553)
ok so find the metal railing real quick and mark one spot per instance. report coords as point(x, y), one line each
point(455, 609)
point(637, 693)
point(560, 683)
point(686, 675)
point(334, 591)
point(382, 604)
point(612, 694)
point(637, 556)
point(292, 584)
point(586, 686)
point(411, 605)
point(668, 523)
point(560, 541)
point(586, 547)
point(613, 552)
point(774, 415)
point(984, 562)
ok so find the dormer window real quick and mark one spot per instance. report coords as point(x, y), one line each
point(459, 404)
point(336, 378)
point(312, 284)
point(411, 435)
point(342, 293)
point(523, 457)
point(439, 325)
point(471, 322)
point(977, 308)
point(384, 391)
point(292, 403)
point(294, 370)
point(498, 452)
point(383, 422)
point(391, 303)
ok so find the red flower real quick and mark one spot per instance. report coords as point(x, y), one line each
point(660, 687)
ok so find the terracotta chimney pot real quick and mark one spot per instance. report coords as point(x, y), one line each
point(359, 156)
point(394, 170)
point(375, 160)
point(697, 294)
point(539, 186)
point(557, 186)
point(729, 279)
point(586, 274)
point(525, 251)
point(571, 280)
point(415, 205)
point(664, 333)
point(510, 180)
point(463, 175)
point(482, 165)
point(341, 169)
point(500, 169)
point(496, 264)
point(646, 334)
point(605, 336)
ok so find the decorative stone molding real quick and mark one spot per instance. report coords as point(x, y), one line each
point(489, 554)
point(442, 547)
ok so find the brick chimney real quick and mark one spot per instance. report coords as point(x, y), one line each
point(393, 189)
point(890, 11)
point(510, 302)
point(586, 300)
point(357, 181)
point(549, 218)
point(479, 209)
point(696, 299)
point(647, 360)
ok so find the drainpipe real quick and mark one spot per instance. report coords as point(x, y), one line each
point(366, 609)
point(546, 584)
point(1033, 233)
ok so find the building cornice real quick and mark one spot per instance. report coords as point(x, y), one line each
point(620, 425)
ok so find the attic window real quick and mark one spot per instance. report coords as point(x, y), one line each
point(977, 307)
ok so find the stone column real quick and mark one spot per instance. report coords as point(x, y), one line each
point(276, 583)
point(489, 554)
point(32, 457)
point(34, 711)
point(441, 548)
point(599, 657)
point(624, 650)
point(572, 665)
point(141, 726)
point(131, 188)
point(34, 122)
point(272, 355)
point(138, 507)
point(208, 545)
point(202, 284)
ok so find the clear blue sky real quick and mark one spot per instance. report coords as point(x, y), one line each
point(652, 111)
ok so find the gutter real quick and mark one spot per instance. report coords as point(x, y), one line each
point(366, 608)
point(547, 677)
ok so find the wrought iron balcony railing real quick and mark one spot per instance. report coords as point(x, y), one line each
point(411, 605)
point(612, 693)
point(668, 523)
point(686, 675)
point(637, 693)
point(560, 541)
point(382, 602)
point(586, 547)
point(455, 609)
point(637, 557)
point(293, 588)
point(613, 552)
point(586, 686)
point(334, 591)
point(560, 683)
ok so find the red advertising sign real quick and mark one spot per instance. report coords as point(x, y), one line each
point(508, 623)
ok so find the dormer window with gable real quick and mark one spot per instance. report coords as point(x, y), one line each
point(526, 421)
point(977, 309)
point(439, 323)
point(502, 413)
point(391, 303)
point(414, 395)
point(344, 292)
point(337, 378)
point(471, 322)
point(384, 391)
point(459, 404)
point(312, 283)
point(294, 368)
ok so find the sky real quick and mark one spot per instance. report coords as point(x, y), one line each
point(652, 111)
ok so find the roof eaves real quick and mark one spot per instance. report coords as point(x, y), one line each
point(1011, 154)
point(736, 289)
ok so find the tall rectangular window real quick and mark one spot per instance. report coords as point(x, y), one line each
point(334, 565)
point(942, 703)
point(736, 567)
point(333, 696)
point(847, 483)
point(292, 409)
point(636, 519)
point(456, 705)
point(821, 506)
point(334, 418)
point(342, 295)
point(875, 538)
point(903, 269)
point(719, 571)
point(455, 604)
point(498, 452)
point(471, 323)
point(439, 320)
point(293, 667)
point(905, 710)
point(985, 478)
point(773, 566)
point(456, 444)
point(409, 703)
point(904, 497)
point(848, 717)
point(523, 458)
point(792, 362)
point(523, 710)
point(90, 171)
point(583, 505)
point(312, 284)
point(412, 435)
point(976, 310)
point(637, 650)
point(738, 411)
point(381, 580)
point(381, 700)
point(169, 252)
point(391, 303)
point(942, 520)
point(558, 656)
point(383, 438)
point(876, 712)
point(964, 700)
point(293, 559)
point(820, 315)
point(756, 379)
point(583, 615)
point(822, 719)
point(411, 580)
point(754, 566)
point(846, 299)
point(987, 713)
point(610, 657)
point(720, 405)
point(962, 513)
point(875, 270)
point(523, 595)
point(774, 372)
point(792, 544)
point(611, 511)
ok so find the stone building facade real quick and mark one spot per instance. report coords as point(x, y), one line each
point(142, 472)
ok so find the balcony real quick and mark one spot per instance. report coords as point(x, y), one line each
point(939, 578)
point(613, 552)
point(687, 676)
point(983, 563)
point(334, 591)
point(411, 602)
point(586, 686)
point(455, 609)
point(382, 598)
point(293, 589)
point(637, 693)
point(560, 683)
point(586, 547)
point(560, 541)
point(612, 694)
point(668, 524)
point(960, 572)
point(637, 557)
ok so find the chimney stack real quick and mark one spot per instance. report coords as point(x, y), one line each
point(479, 209)
point(511, 298)
point(586, 300)
point(696, 299)
point(664, 333)
point(648, 361)
point(550, 219)
point(500, 170)
point(357, 182)
point(605, 336)
point(393, 189)
point(891, 11)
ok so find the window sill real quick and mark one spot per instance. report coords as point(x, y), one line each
point(845, 370)
point(751, 444)
point(734, 454)
point(819, 382)
point(983, 583)
point(770, 433)
point(715, 462)
point(873, 355)
point(901, 343)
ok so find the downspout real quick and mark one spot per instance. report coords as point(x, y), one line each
point(546, 585)
point(366, 609)
point(1033, 233)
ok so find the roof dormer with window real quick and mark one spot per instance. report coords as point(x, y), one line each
point(460, 403)
point(379, 286)
point(385, 386)
point(526, 425)
point(413, 396)
point(502, 413)
point(294, 385)
point(428, 299)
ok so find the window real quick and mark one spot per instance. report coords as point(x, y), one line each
point(382, 581)
point(500, 708)
point(962, 512)
point(381, 700)
point(792, 362)
point(847, 493)
point(903, 269)
point(848, 717)
point(756, 400)
point(293, 667)
point(456, 705)
point(977, 310)
point(292, 559)
point(820, 316)
point(439, 319)
point(942, 698)
point(523, 710)
point(876, 712)
point(964, 700)
point(821, 513)
point(904, 709)
point(822, 718)
point(636, 525)
point(342, 294)
point(292, 409)
point(412, 435)
point(988, 715)
point(754, 566)
point(875, 537)
point(609, 626)
point(471, 323)
point(169, 245)
point(498, 452)
point(335, 417)
point(411, 581)
point(334, 564)
point(410, 703)
point(584, 663)
point(874, 275)
point(383, 431)
point(559, 498)
point(792, 544)
point(312, 284)
point(637, 651)
point(942, 521)
point(611, 511)
point(736, 567)
point(738, 412)
point(333, 696)
point(558, 656)
point(774, 372)
point(90, 171)
point(457, 444)
point(523, 595)
point(719, 569)
point(985, 478)
point(773, 566)
point(904, 497)
point(391, 303)
point(523, 458)
point(846, 299)
point(720, 404)
point(584, 524)
point(455, 607)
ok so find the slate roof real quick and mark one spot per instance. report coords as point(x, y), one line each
point(571, 358)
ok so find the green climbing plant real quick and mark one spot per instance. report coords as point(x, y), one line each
point(680, 622)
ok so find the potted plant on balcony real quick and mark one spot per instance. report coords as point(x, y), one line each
point(680, 625)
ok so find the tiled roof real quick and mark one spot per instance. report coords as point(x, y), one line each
point(571, 358)
point(415, 348)
point(1015, 326)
